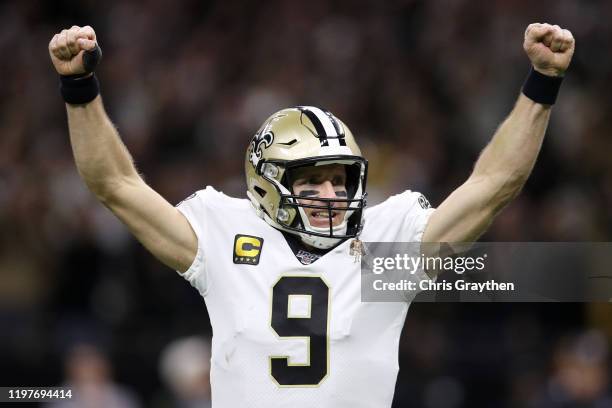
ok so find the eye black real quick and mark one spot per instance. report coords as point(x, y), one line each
point(308, 193)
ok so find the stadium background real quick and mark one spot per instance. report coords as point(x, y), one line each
point(422, 84)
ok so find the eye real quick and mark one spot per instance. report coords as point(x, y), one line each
point(302, 181)
point(314, 180)
point(338, 181)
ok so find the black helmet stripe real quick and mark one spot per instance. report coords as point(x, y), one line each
point(327, 128)
point(317, 124)
point(337, 126)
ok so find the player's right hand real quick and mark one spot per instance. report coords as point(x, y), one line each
point(67, 47)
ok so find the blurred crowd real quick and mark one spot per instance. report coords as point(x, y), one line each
point(422, 85)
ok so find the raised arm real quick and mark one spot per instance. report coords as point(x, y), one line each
point(107, 168)
point(506, 162)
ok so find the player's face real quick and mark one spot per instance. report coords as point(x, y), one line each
point(327, 181)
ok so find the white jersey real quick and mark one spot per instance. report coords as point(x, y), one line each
point(292, 335)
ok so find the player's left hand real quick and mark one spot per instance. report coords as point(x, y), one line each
point(549, 47)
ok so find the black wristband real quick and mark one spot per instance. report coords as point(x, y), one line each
point(542, 88)
point(79, 89)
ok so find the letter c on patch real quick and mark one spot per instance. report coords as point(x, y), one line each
point(247, 246)
point(247, 249)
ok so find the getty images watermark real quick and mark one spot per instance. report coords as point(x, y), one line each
point(485, 272)
point(434, 265)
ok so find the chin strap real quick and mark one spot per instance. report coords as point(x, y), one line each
point(319, 242)
point(323, 242)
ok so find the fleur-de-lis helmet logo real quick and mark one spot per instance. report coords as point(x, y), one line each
point(260, 141)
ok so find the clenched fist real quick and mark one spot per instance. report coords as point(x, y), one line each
point(549, 47)
point(68, 47)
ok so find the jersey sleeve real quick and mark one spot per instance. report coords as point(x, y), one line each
point(194, 208)
point(401, 218)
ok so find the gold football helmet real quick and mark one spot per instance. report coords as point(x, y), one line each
point(294, 138)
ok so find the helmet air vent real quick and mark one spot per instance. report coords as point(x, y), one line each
point(260, 191)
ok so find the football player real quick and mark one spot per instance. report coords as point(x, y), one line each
point(277, 270)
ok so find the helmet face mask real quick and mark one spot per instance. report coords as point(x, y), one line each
point(287, 143)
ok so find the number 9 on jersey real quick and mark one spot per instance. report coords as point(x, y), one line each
point(310, 295)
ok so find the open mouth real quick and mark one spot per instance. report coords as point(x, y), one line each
point(324, 214)
point(320, 218)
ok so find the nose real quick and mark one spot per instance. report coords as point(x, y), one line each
point(327, 190)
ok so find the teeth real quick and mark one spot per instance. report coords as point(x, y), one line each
point(323, 214)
